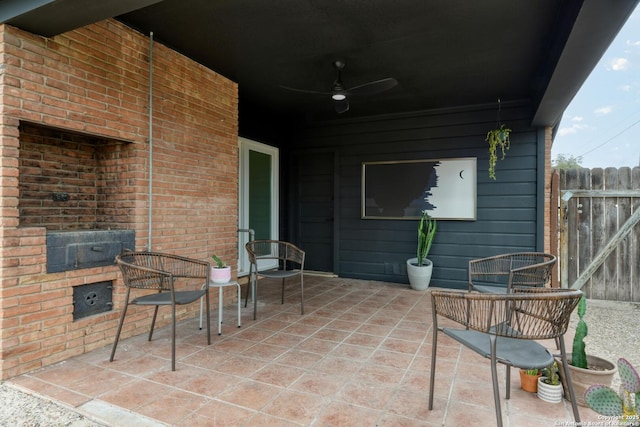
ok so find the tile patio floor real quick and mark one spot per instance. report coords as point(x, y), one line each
point(360, 356)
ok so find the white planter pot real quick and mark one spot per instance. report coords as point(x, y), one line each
point(419, 277)
point(220, 275)
point(549, 393)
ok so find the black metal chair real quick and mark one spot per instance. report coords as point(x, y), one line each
point(160, 272)
point(501, 273)
point(290, 260)
point(504, 327)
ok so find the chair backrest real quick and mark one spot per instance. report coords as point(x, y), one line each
point(518, 269)
point(275, 249)
point(528, 313)
point(154, 270)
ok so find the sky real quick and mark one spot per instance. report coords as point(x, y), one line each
point(602, 122)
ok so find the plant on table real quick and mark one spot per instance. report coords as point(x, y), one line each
point(625, 404)
point(219, 263)
point(220, 273)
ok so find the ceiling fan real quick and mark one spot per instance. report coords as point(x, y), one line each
point(340, 95)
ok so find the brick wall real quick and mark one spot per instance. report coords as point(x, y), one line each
point(95, 81)
point(547, 189)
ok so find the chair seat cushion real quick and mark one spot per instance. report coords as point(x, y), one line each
point(511, 351)
point(488, 289)
point(164, 298)
point(279, 274)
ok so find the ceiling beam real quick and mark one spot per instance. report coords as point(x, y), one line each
point(595, 28)
point(52, 17)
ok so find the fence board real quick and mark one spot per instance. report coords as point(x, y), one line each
point(594, 205)
point(623, 210)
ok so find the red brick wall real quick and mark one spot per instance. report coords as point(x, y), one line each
point(547, 189)
point(95, 81)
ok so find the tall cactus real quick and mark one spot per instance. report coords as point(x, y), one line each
point(578, 354)
point(606, 401)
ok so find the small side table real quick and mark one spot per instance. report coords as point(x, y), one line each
point(220, 286)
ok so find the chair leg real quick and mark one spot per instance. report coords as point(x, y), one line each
point(173, 336)
point(432, 376)
point(567, 375)
point(153, 321)
point(254, 291)
point(246, 298)
point(249, 284)
point(282, 297)
point(494, 379)
point(508, 382)
point(206, 297)
point(201, 307)
point(301, 294)
point(124, 312)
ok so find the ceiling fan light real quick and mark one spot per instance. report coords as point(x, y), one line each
point(338, 96)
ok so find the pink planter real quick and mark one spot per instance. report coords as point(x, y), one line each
point(220, 275)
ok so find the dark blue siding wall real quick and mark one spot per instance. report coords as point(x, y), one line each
point(507, 207)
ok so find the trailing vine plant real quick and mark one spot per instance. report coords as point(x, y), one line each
point(497, 138)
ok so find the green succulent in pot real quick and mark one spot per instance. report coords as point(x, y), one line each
point(426, 232)
point(551, 374)
point(219, 263)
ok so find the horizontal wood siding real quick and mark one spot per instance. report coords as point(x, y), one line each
point(506, 208)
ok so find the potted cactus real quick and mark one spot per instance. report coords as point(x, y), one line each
point(419, 269)
point(220, 273)
point(549, 385)
point(529, 379)
point(586, 370)
point(626, 405)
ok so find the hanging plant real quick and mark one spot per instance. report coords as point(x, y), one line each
point(498, 137)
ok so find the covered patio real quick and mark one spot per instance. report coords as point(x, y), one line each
point(360, 356)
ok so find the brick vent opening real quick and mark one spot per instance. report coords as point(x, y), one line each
point(92, 298)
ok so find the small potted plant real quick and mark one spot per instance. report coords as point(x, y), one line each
point(529, 379)
point(549, 385)
point(220, 273)
point(626, 405)
point(419, 269)
point(586, 370)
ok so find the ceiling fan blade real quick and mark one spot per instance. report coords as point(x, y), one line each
point(313, 92)
point(341, 106)
point(372, 88)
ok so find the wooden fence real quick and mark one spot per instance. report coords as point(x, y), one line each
point(599, 231)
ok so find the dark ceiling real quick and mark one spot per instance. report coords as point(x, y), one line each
point(443, 53)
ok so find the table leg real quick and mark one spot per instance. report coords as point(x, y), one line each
point(220, 310)
point(239, 302)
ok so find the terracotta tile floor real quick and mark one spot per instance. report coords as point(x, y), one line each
point(360, 356)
